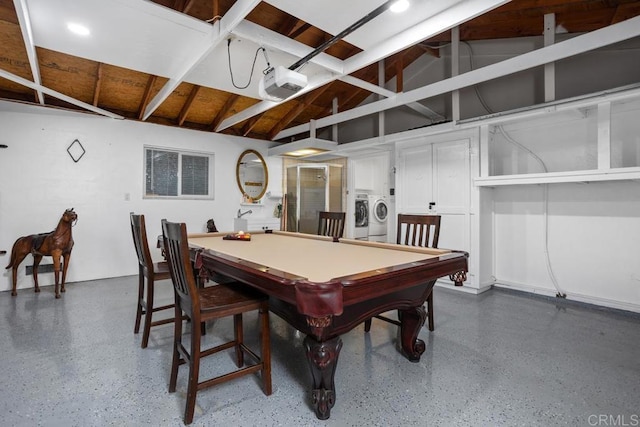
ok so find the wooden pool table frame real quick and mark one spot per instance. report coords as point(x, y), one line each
point(324, 311)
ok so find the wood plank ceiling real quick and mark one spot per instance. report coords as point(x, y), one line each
point(128, 92)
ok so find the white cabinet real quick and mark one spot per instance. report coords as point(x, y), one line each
point(434, 178)
point(372, 173)
point(258, 224)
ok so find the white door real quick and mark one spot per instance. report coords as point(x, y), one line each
point(415, 179)
point(451, 192)
point(433, 178)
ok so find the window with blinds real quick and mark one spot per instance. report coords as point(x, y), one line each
point(178, 174)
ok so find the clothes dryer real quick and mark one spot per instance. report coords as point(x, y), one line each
point(378, 215)
point(362, 216)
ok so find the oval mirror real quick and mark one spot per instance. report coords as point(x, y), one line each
point(252, 175)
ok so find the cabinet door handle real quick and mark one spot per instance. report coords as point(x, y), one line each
point(432, 205)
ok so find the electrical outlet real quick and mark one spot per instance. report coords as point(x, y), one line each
point(127, 197)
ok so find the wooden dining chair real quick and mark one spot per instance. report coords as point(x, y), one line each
point(416, 230)
point(331, 224)
point(149, 272)
point(204, 304)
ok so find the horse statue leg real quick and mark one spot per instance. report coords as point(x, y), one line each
point(21, 248)
point(36, 263)
point(14, 275)
point(56, 269)
point(67, 258)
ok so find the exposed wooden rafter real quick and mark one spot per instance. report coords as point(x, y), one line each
point(187, 105)
point(97, 86)
point(300, 106)
point(249, 125)
point(228, 105)
point(147, 96)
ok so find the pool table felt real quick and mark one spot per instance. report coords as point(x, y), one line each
point(315, 258)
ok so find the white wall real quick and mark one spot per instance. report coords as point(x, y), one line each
point(594, 230)
point(40, 180)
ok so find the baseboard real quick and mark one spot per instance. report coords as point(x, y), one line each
point(586, 299)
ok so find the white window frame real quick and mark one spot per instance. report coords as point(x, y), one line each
point(179, 196)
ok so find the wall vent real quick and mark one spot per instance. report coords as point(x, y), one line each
point(42, 268)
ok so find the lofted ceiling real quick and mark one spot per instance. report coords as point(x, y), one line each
point(186, 63)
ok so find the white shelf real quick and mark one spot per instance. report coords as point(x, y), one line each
point(252, 204)
point(616, 174)
point(271, 195)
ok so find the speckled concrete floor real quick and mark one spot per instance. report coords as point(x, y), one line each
point(500, 358)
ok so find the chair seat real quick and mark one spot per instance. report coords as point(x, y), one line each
point(161, 270)
point(229, 298)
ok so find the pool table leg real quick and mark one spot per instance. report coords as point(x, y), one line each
point(323, 358)
point(411, 320)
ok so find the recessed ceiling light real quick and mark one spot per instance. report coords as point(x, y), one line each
point(399, 6)
point(78, 29)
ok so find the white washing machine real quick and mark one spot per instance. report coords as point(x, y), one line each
point(378, 214)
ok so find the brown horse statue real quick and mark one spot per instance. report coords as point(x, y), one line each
point(56, 244)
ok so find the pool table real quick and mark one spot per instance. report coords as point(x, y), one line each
point(325, 287)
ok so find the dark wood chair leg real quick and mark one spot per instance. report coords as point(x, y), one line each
point(266, 351)
point(239, 339)
point(177, 341)
point(194, 370)
point(136, 328)
point(367, 325)
point(149, 312)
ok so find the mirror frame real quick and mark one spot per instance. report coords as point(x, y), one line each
point(266, 173)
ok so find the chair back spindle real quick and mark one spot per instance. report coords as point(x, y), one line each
point(331, 224)
point(418, 230)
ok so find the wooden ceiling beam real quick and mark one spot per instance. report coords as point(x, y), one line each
point(625, 11)
point(299, 31)
point(250, 124)
point(187, 7)
point(178, 4)
point(228, 105)
point(289, 25)
point(187, 105)
point(97, 86)
point(400, 74)
point(356, 93)
point(300, 106)
point(146, 96)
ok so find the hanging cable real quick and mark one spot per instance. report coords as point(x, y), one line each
point(545, 192)
point(255, 57)
point(545, 210)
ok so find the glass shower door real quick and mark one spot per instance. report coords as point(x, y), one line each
point(312, 188)
point(313, 197)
